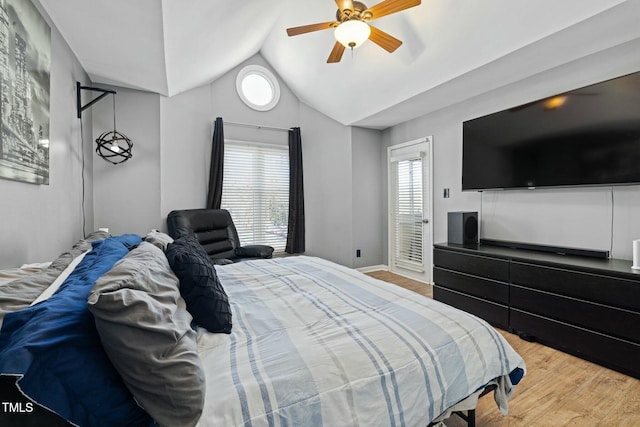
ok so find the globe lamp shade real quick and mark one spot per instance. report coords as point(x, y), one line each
point(352, 33)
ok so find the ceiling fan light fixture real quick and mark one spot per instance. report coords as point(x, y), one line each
point(352, 33)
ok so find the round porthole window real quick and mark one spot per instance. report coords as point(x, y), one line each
point(258, 87)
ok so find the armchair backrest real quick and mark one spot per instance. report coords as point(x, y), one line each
point(213, 228)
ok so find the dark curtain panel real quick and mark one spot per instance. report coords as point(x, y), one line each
point(295, 231)
point(214, 196)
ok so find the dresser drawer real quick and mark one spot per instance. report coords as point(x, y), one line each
point(469, 284)
point(496, 314)
point(617, 322)
point(490, 268)
point(612, 291)
point(608, 351)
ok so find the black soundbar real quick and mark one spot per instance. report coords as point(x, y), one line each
point(592, 253)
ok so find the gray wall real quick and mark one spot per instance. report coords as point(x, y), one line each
point(328, 187)
point(41, 221)
point(187, 127)
point(127, 195)
point(583, 218)
point(172, 148)
point(345, 208)
point(368, 185)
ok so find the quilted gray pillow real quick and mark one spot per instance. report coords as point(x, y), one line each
point(145, 330)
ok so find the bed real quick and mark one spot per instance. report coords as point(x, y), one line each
point(308, 343)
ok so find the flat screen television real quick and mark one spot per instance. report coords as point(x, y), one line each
point(585, 137)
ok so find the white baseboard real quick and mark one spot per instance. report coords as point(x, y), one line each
point(383, 267)
point(412, 278)
point(371, 268)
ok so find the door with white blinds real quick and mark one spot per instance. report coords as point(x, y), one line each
point(410, 209)
point(255, 190)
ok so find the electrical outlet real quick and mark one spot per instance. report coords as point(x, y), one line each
point(446, 193)
point(357, 253)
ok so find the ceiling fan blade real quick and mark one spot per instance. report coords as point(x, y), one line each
point(388, 7)
point(345, 5)
point(294, 31)
point(384, 40)
point(336, 53)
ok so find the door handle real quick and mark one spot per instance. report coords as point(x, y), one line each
point(425, 221)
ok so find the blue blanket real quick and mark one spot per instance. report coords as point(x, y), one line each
point(54, 349)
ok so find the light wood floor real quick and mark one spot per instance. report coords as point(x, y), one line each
point(558, 390)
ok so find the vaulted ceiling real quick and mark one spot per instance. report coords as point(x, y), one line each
point(171, 46)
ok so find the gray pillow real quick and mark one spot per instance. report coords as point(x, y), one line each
point(159, 239)
point(145, 330)
point(19, 293)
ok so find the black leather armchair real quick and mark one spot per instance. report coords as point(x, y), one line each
point(217, 234)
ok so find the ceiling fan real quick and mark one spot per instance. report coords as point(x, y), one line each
point(352, 26)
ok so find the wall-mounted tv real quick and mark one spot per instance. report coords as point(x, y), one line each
point(586, 137)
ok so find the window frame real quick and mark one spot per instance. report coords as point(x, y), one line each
point(260, 71)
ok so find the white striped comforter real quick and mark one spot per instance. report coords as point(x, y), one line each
point(317, 344)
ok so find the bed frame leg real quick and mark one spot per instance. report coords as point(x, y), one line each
point(471, 418)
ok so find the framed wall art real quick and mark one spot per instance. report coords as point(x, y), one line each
point(25, 62)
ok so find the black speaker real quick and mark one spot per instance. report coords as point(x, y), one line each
point(462, 227)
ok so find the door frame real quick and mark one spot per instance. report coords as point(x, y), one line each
point(427, 238)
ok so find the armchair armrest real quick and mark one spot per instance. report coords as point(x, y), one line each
point(254, 251)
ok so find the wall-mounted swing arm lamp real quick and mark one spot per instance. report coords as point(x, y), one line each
point(112, 146)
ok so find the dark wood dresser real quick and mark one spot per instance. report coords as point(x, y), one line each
point(585, 306)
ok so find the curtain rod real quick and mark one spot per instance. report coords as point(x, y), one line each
point(246, 125)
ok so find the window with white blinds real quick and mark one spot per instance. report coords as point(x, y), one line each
point(255, 190)
point(407, 213)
